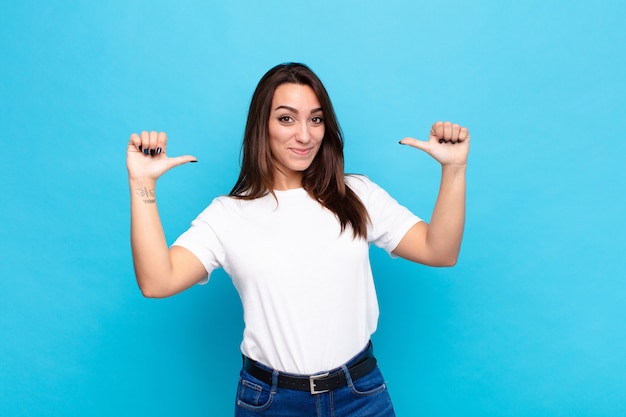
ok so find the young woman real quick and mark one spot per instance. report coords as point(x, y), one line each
point(293, 234)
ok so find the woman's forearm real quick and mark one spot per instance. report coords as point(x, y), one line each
point(445, 230)
point(149, 247)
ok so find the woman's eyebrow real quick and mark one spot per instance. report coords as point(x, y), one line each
point(291, 109)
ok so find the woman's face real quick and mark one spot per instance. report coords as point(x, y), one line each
point(296, 130)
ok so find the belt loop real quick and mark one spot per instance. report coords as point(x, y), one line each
point(346, 373)
point(274, 381)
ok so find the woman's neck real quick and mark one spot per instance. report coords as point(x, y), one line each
point(290, 181)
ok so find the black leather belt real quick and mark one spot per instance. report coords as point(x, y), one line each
point(315, 384)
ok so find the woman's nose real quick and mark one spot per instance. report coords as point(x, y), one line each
point(303, 135)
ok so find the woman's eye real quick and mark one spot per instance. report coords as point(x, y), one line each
point(317, 120)
point(285, 119)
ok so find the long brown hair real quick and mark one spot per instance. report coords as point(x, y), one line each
point(324, 179)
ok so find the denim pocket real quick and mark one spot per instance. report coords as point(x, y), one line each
point(253, 394)
point(370, 384)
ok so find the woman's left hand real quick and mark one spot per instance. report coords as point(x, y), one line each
point(448, 143)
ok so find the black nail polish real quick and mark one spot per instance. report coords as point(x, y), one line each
point(159, 150)
point(146, 151)
point(152, 152)
point(139, 148)
point(441, 140)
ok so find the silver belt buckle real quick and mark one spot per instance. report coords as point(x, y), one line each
point(312, 379)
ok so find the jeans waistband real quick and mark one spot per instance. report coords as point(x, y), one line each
point(361, 365)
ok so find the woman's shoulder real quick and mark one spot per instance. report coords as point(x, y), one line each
point(222, 203)
point(356, 180)
point(360, 183)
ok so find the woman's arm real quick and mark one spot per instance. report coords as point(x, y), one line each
point(160, 271)
point(439, 243)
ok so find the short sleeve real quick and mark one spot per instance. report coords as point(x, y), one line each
point(389, 220)
point(201, 240)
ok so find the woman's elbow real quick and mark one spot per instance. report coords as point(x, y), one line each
point(149, 293)
point(444, 261)
point(449, 262)
point(152, 291)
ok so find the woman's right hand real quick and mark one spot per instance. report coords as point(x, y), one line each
point(146, 156)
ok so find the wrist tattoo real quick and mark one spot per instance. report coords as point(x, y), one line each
point(147, 195)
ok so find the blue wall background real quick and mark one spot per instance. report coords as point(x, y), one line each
point(529, 323)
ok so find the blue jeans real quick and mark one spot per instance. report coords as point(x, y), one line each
point(367, 396)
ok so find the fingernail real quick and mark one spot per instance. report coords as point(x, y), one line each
point(152, 152)
point(146, 151)
point(441, 140)
point(194, 161)
point(139, 147)
point(159, 150)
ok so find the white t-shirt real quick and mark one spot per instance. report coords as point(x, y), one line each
point(307, 290)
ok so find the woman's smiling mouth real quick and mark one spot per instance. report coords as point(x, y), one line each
point(300, 151)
